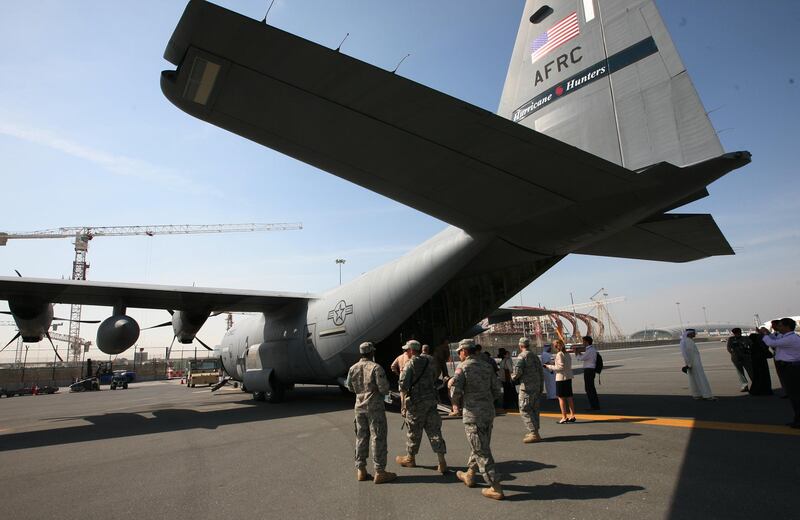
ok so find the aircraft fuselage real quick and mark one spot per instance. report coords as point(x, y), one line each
point(317, 342)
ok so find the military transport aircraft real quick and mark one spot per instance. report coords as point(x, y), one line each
point(600, 133)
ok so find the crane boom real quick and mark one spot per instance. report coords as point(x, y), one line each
point(592, 304)
point(89, 232)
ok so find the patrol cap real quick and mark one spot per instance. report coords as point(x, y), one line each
point(466, 344)
point(525, 341)
point(366, 348)
point(413, 345)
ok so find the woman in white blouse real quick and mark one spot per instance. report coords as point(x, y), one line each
point(562, 366)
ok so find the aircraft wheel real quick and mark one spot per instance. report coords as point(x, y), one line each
point(259, 396)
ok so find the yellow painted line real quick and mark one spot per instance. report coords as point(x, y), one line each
point(682, 423)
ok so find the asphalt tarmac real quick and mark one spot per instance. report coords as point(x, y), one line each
point(161, 450)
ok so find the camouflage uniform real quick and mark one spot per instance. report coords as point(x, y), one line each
point(368, 381)
point(529, 373)
point(475, 388)
point(421, 403)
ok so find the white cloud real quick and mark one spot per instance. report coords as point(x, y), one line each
point(113, 163)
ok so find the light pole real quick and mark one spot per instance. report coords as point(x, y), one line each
point(705, 317)
point(341, 262)
point(680, 319)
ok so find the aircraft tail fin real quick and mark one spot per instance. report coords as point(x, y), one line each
point(606, 77)
point(667, 238)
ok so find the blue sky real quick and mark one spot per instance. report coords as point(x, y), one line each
point(87, 138)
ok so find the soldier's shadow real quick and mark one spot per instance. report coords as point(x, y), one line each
point(508, 468)
point(505, 470)
point(557, 490)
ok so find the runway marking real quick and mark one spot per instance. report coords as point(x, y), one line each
point(683, 423)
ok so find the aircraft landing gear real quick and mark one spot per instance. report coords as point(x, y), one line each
point(277, 391)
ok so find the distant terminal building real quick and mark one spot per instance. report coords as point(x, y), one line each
point(703, 329)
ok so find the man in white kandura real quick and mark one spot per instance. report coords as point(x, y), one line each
point(698, 383)
point(549, 376)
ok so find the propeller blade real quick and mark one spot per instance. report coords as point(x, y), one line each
point(170, 312)
point(6, 312)
point(220, 384)
point(17, 273)
point(10, 342)
point(76, 321)
point(53, 345)
point(202, 343)
point(166, 323)
point(169, 350)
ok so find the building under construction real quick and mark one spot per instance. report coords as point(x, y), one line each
point(544, 325)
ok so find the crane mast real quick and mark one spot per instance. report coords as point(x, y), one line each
point(82, 236)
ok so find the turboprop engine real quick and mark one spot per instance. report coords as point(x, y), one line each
point(33, 318)
point(185, 325)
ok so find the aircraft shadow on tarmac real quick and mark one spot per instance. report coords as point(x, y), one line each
point(723, 473)
point(306, 401)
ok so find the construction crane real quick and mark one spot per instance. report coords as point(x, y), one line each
point(83, 235)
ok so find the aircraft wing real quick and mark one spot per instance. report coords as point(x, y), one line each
point(670, 237)
point(433, 152)
point(144, 296)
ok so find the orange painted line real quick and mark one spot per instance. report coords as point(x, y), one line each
point(683, 423)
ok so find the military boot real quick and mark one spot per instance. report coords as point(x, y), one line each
point(442, 467)
point(495, 492)
point(384, 476)
point(362, 475)
point(468, 477)
point(532, 437)
point(407, 461)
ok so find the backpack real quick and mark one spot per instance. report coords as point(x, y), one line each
point(598, 366)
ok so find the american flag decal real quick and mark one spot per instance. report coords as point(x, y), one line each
point(561, 32)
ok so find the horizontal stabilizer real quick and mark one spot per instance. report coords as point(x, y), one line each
point(666, 238)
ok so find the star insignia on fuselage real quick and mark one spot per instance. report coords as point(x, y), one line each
point(339, 313)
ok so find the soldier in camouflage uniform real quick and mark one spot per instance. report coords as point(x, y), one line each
point(476, 388)
point(528, 372)
point(419, 407)
point(368, 381)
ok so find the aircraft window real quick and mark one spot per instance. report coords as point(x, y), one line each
point(201, 80)
point(541, 13)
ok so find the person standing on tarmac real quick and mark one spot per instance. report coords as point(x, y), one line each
point(510, 399)
point(529, 373)
point(739, 349)
point(475, 388)
point(368, 381)
point(589, 358)
point(418, 405)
